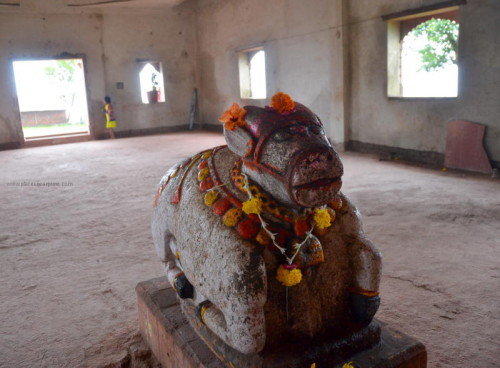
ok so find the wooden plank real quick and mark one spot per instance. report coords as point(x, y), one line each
point(465, 149)
point(424, 10)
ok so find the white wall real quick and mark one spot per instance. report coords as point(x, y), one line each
point(338, 71)
point(37, 36)
point(110, 43)
point(302, 41)
point(169, 38)
point(421, 124)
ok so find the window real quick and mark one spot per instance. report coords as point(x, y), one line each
point(423, 51)
point(52, 97)
point(151, 79)
point(252, 66)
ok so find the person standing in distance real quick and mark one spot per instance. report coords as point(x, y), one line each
point(110, 117)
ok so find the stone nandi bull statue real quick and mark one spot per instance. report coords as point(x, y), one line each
point(257, 239)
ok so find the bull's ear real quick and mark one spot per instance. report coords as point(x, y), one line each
point(239, 141)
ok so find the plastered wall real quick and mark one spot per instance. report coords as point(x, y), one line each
point(36, 36)
point(327, 54)
point(340, 71)
point(421, 124)
point(110, 42)
point(303, 45)
point(169, 38)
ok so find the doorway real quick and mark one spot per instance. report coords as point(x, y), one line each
point(52, 97)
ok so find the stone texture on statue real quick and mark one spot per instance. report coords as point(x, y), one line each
point(279, 172)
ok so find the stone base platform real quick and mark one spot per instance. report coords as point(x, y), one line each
point(176, 345)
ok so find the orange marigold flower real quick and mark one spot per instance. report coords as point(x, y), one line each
point(232, 217)
point(234, 117)
point(282, 102)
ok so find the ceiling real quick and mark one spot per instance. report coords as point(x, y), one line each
point(100, 3)
point(123, 3)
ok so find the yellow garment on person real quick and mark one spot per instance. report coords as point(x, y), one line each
point(111, 124)
point(110, 119)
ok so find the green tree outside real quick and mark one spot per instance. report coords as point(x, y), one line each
point(441, 48)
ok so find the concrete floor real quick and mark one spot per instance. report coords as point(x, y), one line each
point(75, 240)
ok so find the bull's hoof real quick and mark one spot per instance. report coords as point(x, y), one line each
point(183, 287)
point(363, 308)
point(200, 310)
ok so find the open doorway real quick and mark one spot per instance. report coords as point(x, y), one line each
point(52, 97)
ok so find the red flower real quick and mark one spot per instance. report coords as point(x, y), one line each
point(234, 117)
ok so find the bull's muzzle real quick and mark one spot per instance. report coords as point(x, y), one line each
point(316, 177)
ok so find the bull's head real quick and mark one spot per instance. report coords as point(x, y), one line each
point(287, 153)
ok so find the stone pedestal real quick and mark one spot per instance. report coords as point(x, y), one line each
point(175, 343)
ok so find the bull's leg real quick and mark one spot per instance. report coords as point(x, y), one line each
point(167, 250)
point(364, 297)
point(241, 327)
point(175, 274)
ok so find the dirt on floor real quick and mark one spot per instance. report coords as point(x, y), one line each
point(75, 240)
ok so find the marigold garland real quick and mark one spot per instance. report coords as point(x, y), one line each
point(282, 103)
point(234, 117)
point(211, 197)
point(263, 238)
point(304, 223)
point(253, 205)
point(289, 277)
point(203, 174)
point(322, 218)
point(232, 217)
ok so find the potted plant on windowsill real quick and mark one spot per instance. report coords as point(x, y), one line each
point(154, 94)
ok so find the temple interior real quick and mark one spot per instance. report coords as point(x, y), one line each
point(420, 145)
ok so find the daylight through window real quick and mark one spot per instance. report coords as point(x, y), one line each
point(422, 55)
point(151, 81)
point(252, 67)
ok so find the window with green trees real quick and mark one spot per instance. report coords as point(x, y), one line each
point(429, 60)
point(423, 54)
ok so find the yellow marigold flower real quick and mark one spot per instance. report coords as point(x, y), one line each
point(232, 217)
point(322, 218)
point(289, 277)
point(348, 365)
point(282, 102)
point(210, 197)
point(233, 117)
point(202, 175)
point(253, 205)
